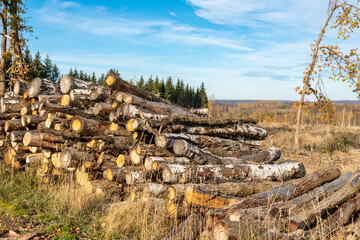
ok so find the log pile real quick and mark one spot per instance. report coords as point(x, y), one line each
point(123, 140)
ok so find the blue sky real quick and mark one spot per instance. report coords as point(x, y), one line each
point(240, 49)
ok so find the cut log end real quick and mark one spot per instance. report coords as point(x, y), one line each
point(171, 193)
point(120, 160)
point(161, 141)
point(76, 124)
point(109, 175)
point(110, 80)
point(180, 147)
point(27, 139)
point(65, 100)
point(132, 125)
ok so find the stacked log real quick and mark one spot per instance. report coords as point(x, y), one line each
point(123, 140)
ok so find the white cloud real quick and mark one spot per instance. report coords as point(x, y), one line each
point(106, 24)
point(198, 40)
point(256, 13)
point(172, 14)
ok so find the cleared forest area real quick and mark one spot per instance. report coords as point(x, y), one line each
point(83, 160)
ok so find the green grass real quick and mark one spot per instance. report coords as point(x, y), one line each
point(22, 195)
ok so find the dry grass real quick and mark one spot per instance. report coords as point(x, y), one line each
point(78, 213)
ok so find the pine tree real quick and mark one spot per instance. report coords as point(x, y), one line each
point(55, 73)
point(37, 66)
point(47, 68)
point(162, 88)
point(178, 96)
point(156, 86)
point(28, 58)
point(149, 86)
point(141, 82)
point(203, 96)
point(169, 89)
point(114, 71)
point(197, 99)
point(81, 74)
point(93, 77)
point(101, 80)
point(71, 73)
point(76, 74)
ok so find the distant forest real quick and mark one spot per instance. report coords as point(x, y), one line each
point(179, 93)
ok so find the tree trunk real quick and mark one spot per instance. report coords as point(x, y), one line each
point(3, 47)
point(201, 156)
point(174, 173)
point(68, 82)
point(309, 72)
point(42, 86)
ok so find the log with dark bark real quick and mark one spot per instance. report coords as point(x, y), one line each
point(42, 86)
point(116, 174)
point(44, 129)
point(167, 140)
point(156, 163)
point(72, 158)
point(34, 139)
point(50, 107)
point(138, 177)
point(12, 105)
point(246, 130)
point(201, 121)
point(201, 156)
point(68, 82)
point(308, 217)
point(86, 126)
point(154, 190)
point(173, 173)
point(280, 209)
point(156, 107)
point(116, 83)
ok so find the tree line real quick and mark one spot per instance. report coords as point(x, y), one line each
point(17, 62)
point(181, 94)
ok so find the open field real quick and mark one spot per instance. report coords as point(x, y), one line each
point(67, 211)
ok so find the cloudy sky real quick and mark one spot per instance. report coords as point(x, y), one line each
point(240, 49)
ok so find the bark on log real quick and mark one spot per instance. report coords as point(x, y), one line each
point(42, 86)
point(308, 217)
point(138, 177)
point(64, 109)
point(116, 174)
point(17, 136)
point(156, 163)
point(156, 107)
point(87, 127)
point(286, 208)
point(68, 82)
point(34, 139)
point(154, 190)
point(12, 105)
point(116, 83)
point(42, 128)
point(174, 173)
point(73, 158)
point(247, 208)
point(236, 130)
point(167, 140)
point(201, 156)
